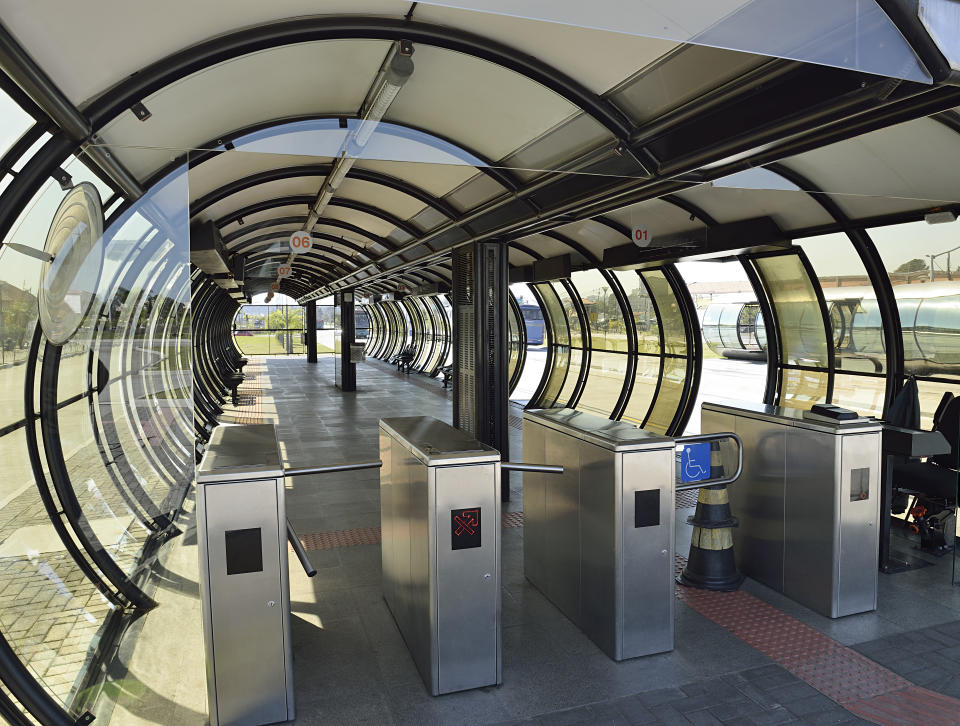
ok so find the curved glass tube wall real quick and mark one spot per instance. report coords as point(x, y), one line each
point(617, 346)
point(422, 322)
point(97, 435)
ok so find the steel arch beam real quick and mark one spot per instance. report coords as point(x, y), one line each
point(320, 170)
point(177, 66)
point(295, 200)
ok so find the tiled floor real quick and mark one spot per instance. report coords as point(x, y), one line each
point(352, 667)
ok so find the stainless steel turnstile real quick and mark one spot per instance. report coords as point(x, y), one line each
point(242, 534)
point(808, 504)
point(244, 585)
point(598, 540)
point(440, 524)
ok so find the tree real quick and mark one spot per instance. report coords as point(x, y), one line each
point(290, 319)
point(915, 265)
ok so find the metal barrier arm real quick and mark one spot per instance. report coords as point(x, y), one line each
point(680, 441)
point(301, 552)
point(305, 470)
point(537, 468)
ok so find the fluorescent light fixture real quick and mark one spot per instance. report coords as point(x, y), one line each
point(940, 217)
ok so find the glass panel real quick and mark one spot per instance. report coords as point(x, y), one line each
point(644, 313)
point(863, 394)
point(125, 444)
point(669, 396)
point(604, 314)
point(843, 33)
point(856, 329)
point(513, 345)
point(536, 354)
point(644, 389)
point(803, 339)
point(930, 394)
point(15, 122)
point(604, 383)
point(570, 313)
point(556, 318)
point(573, 372)
point(802, 388)
point(276, 329)
point(671, 319)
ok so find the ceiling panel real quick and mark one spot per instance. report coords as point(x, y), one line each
point(299, 210)
point(438, 179)
point(488, 108)
point(115, 38)
point(598, 59)
point(910, 164)
point(325, 77)
point(656, 216)
point(396, 203)
point(297, 186)
point(789, 209)
point(224, 168)
point(595, 237)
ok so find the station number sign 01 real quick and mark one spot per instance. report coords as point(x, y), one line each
point(300, 242)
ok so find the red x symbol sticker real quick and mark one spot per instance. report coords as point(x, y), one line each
point(467, 522)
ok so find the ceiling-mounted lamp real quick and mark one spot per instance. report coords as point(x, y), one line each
point(940, 217)
point(398, 72)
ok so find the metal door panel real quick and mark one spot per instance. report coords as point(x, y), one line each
point(249, 657)
point(468, 587)
point(647, 599)
point(811, 523)
point(600, 547)
point(859, 524)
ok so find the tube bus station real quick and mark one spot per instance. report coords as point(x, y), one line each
point(473, 362)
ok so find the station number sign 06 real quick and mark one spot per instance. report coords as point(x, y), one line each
point(300, 242)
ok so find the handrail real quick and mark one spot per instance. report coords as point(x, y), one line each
point(331, 468)
point(538, 468)
point(299, 549)
point(681, 440)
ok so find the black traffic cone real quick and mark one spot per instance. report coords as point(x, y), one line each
point(710, 565)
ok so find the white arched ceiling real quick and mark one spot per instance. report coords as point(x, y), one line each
point(490, 108)
point(117, 37)
point(323, 77)
point(904, 167)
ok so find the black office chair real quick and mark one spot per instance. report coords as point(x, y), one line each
point(932, 484)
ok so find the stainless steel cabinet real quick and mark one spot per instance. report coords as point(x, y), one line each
point(808, 501)
point(598, 539)
point(440, 524)
point(244, 583)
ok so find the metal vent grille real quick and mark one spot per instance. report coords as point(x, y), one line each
point(464, 342)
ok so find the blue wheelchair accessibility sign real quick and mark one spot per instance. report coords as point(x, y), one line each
point(695, 462)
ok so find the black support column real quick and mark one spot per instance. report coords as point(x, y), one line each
point(480, 336)
point(310, 325)
point(346, 371)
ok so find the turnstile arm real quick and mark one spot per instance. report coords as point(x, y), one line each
point(331, 468)
point(713, 437)
point(537, 468)
point(301, 553)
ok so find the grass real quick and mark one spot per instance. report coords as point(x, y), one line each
point(267, 344)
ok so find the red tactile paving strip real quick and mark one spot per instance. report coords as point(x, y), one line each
point(857, 683)
point(511, 519)
point(371, 535)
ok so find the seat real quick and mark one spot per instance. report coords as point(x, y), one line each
point(932, 482)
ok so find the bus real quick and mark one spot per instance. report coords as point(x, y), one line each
point(533, 322)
